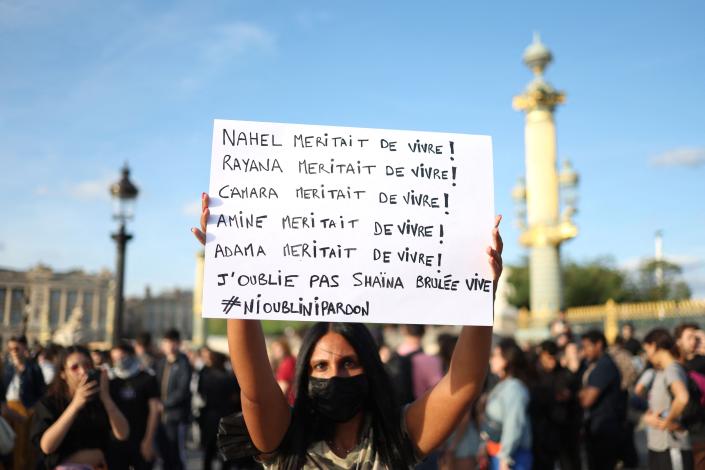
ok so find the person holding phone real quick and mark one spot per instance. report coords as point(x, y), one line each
point(73, 422)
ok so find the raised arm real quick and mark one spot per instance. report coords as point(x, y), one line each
point(54, 435)
point(431, 418)
point(264, 407)
point(679, 390)
point(118, 424)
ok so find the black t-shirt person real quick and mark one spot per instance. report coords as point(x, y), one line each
point(90, 429)
point(132, 395)
point(603, 416)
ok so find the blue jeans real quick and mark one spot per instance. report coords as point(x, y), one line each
point(171, 443)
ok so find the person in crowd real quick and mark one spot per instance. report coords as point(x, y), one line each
point(602, 401)
point(426, 369)
point(700, 348)
point(558, 327)
point(22, 386)
point(461, 448)
point(446, 345)
point(144, 352)
point(623, 360)
point(46, 359)
point(197, 359)
point(506, 425)
point(344, 415)
point(173, 373)
point(569, 354)
point(629, 374)
point(385, 353)
point(687, 341)
point(668, 444)
point(100, 358)
point(284, 365)
point(628, 341)
point(136, 394)
point(74, 422)
point(221, 396)
point(690, 341)
point(418, 370)
point(555, 412)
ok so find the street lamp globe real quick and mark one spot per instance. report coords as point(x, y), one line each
point(124, 194)
point(569, 179)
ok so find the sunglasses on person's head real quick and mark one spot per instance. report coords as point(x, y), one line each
point(75, 366)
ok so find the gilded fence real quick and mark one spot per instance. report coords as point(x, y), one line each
point(611, 314)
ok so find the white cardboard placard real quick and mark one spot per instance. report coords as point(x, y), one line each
point(325, 223)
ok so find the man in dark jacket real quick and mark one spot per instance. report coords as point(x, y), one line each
point(22, 387)
point(173, 373)
point(555, 412)
point(601, 398)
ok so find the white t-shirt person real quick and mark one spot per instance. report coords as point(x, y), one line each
point(660, 399)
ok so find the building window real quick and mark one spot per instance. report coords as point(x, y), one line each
point(102, 312)
point(2, 302)
point(87, 309)
point(54, 307)
point(17, 307)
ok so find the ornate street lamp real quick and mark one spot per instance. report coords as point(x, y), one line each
point(568, 181)
point(124, 194)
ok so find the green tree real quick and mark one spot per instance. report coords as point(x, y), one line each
point(596, 281)
point(670, 287)
point(518, 279)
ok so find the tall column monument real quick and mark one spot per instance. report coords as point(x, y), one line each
point(544, 226)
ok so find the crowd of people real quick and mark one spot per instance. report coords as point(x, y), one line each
point(73, 408)
point(569, 402)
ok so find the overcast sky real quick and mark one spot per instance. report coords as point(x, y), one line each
point(86, 86)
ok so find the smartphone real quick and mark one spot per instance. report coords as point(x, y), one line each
point(94, 376)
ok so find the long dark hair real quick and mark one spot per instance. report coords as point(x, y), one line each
point(662, 339)
point(517, 365)
point(307, 427)
point(58, 388)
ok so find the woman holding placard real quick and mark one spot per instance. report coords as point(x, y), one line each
point(345, 415)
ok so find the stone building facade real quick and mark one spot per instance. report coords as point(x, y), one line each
point(41, 302)
point(160, 312)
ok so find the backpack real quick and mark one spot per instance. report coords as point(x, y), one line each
point(400, 370)
point(699, 380)
point(627, 371)
point(693, 417)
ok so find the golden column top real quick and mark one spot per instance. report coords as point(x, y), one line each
point(539, 94)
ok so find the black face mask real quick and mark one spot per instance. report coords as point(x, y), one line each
point(338, 399)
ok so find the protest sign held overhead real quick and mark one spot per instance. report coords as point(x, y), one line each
point(324, 223)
